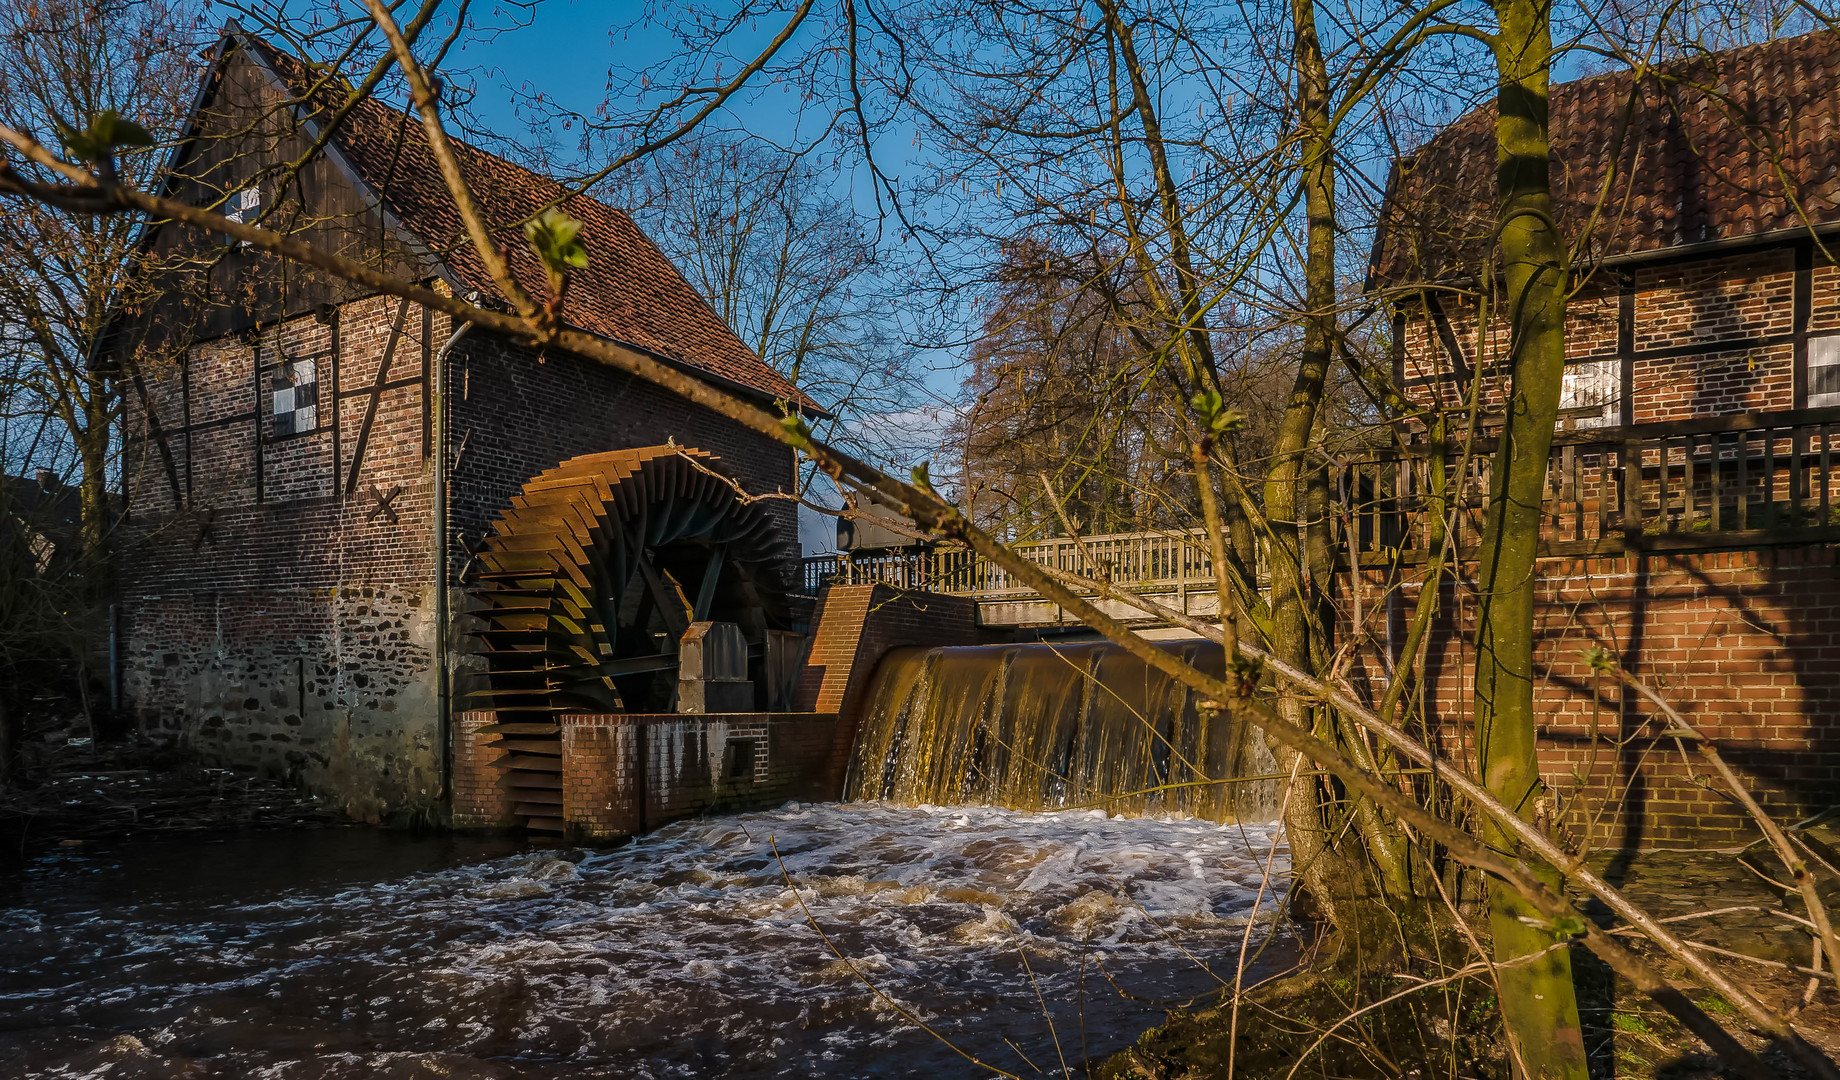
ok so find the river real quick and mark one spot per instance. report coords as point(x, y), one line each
point(1025, 940)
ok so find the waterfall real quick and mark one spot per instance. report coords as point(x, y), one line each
point(1056, 726)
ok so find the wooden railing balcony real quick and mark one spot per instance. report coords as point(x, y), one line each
point(1721, 482)
point(1153, 561)
point(1746, 480)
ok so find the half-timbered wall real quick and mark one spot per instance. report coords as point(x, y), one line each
point(197, 286)
point(278, 590)
point(1682, 336)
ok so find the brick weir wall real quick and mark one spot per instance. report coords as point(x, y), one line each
point(1745, 644)
point(625, 774)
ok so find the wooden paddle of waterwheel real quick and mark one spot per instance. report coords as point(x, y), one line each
point(590, 580)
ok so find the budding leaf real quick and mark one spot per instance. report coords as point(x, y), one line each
point(1568, 926)
point(1599, 659)
point(796, 427)
point(106, 131)
point(1216, 418)
point(922, 480)
point(556, 238)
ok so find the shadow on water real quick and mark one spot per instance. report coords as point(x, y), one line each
point(238, 867)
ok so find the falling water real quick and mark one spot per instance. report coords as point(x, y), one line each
point(1055, 726)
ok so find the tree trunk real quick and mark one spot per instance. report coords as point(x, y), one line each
point(1298, 627)
point(1538, 1002)
point(93, 452)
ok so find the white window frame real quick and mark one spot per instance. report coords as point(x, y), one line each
point(244, 207)
point(294, 394)
point(1823, 358)
point(1592, 384)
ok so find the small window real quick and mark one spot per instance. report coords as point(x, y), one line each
point(294, 398)
point(1823, 371)
point(1591, 393)
point(243, 207)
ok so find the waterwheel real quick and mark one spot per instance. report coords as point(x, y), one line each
point(587, 584)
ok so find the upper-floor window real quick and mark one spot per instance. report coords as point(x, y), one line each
point(243, 207)
point(1824, 371)
point(294, 398)
point(1591, 394)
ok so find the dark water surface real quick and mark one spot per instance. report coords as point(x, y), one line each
point(364, 953)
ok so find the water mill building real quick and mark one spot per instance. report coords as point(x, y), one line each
point(320, 480)
point(1691, 501)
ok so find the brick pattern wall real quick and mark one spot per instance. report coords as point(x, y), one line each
point(853, 627)
point(289, 633)
point(1682, 313)
point(1745, 644)
point(480, 801)
point(520, 413)
point(623, 774)
point(599, 774)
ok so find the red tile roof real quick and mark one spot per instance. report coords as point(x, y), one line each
point(1722, 146)
point(629, 292)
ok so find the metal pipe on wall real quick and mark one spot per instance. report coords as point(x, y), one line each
point(444, 704)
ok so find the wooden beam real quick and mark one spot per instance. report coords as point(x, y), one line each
point(427, 386)
point(1626, 345)
point(370, 410)
point(670, 598)
point(185, 417)
point(706, 589)
point(256, 354)
point(337, 457)
point(1801, 306)
point(159, 438)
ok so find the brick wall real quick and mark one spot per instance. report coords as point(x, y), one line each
point(624, 774)
point(853, 627)
point(1707, 335)
point(479, 801)
point(268, 622)
point(1745, 644)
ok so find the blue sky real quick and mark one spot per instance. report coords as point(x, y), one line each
point(565, 52)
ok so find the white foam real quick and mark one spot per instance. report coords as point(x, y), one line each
point(686, 953)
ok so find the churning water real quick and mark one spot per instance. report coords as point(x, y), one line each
point(351, 953)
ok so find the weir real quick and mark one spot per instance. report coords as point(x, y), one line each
point(895, 702)
point(1056, 726)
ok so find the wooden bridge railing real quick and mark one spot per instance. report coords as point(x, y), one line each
point(1150, 561)
point(1749, 480)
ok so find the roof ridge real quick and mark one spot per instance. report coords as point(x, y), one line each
point(632, 293)
point(1717, 152)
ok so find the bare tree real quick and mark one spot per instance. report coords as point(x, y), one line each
point(1261, 194)
point(789, 264)
point(63, 63)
